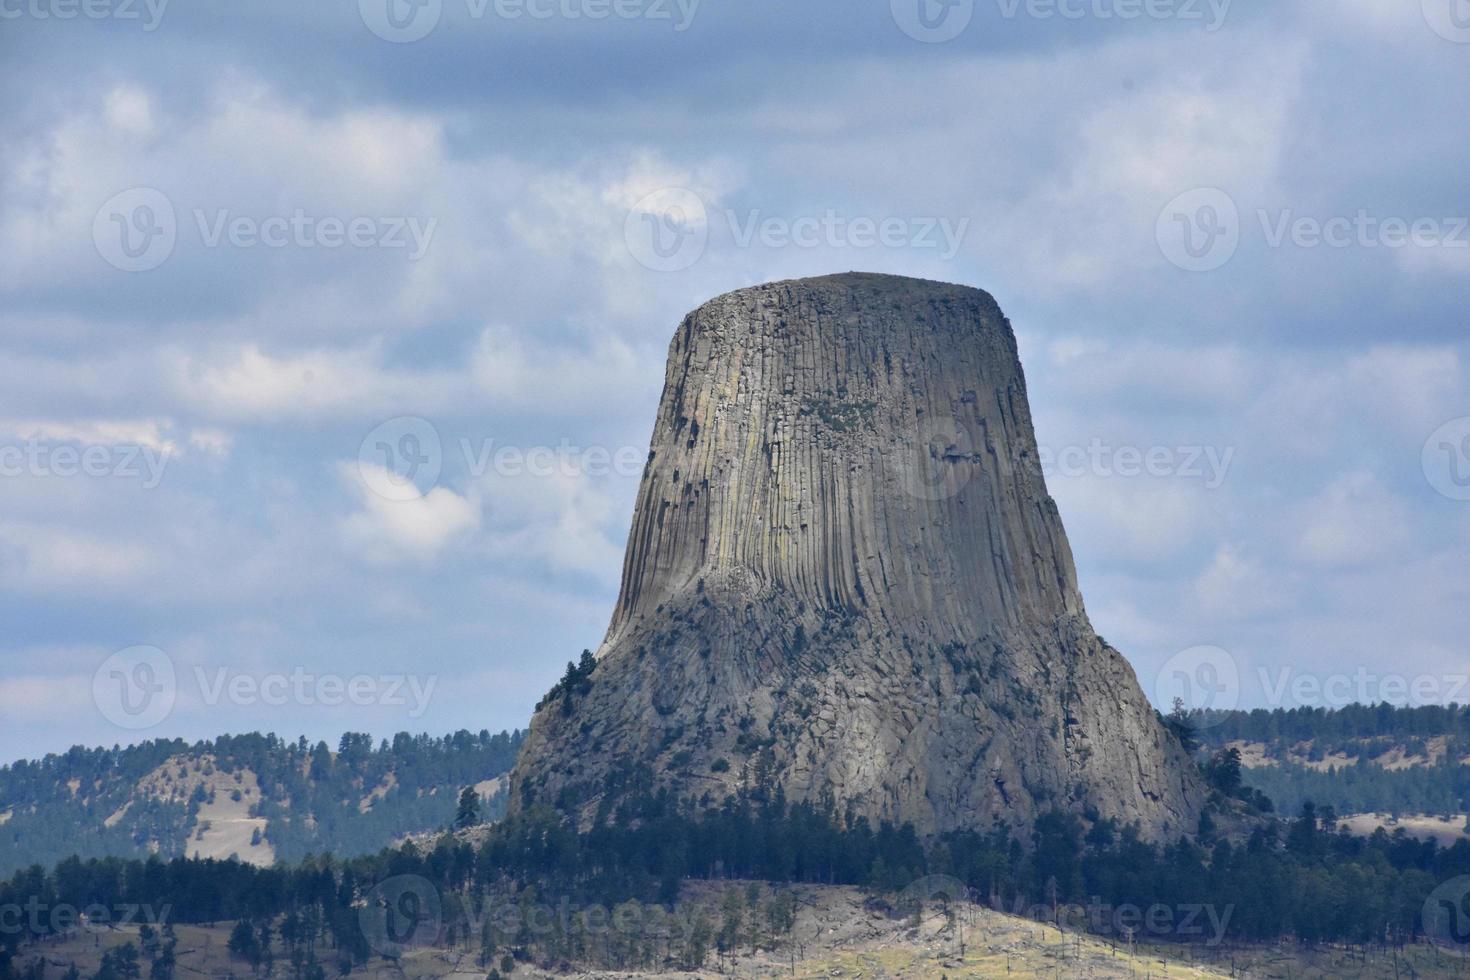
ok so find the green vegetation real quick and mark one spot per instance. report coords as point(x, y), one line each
point(839, 415)
point(576, 682)
point(85, 802)
point(1295, 879)
point(1347, 725)
point(1440, 790)
point(1300, 741)
point(1298, 880)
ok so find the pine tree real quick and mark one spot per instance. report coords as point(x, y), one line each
point(468, 813)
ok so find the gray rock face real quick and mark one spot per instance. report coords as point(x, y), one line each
point(845, 577)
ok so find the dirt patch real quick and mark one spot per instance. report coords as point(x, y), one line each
point(839, 933)
point(224, 826)
point(379, 791)
point(1255, 755)
point(1424, 827)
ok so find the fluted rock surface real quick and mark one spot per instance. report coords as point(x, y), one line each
point(845, 577)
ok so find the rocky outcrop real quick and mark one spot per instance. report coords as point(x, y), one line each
point(845, 577)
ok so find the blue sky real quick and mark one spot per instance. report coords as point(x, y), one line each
point(330, 341)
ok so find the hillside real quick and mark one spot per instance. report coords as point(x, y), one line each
point(832, 931)
point(529, 894)
point(254, 796)
point(1370, 764)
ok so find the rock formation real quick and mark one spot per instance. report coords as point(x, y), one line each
point(845, 577)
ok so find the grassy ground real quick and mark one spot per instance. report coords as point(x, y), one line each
point(838, 934)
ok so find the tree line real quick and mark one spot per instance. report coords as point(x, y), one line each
point(1298, 879)
point(311, 797)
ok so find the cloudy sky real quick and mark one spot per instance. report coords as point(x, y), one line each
point(331, 333)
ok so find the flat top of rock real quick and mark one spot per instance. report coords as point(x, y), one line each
point(862, 284)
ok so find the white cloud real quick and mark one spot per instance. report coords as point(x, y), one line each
point(561, 521)
point(1355, 521)
point(387, 531)
point(584, 210)
point(216, 442)
point(1237, 586)
point(248, 384)
point(59, 559)
point(1065, 187)
point(1211, 376)
point(512, 372)
point(94, 432)
point(1135, 520)
point(40, 699)
point(1411, 386)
